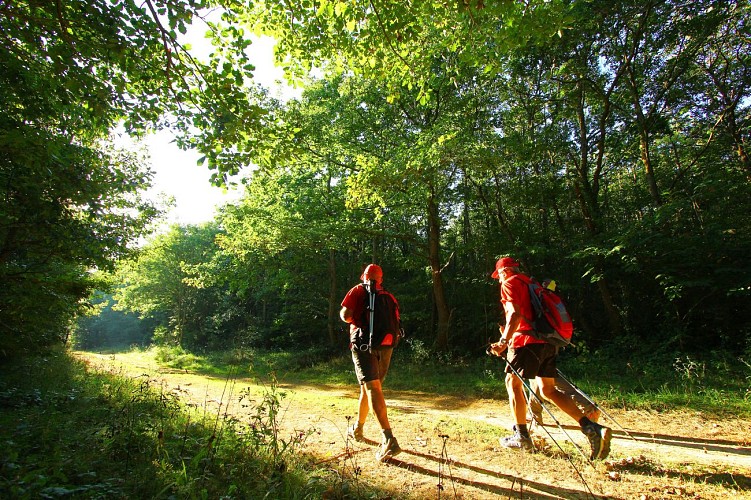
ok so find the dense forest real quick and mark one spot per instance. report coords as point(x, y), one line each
point(602, 143)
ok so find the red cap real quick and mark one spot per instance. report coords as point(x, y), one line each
point(503, 262)
point(374, 272)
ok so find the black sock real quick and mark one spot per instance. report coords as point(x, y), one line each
point(584, 421)
point(522, 428)
point(387, 434)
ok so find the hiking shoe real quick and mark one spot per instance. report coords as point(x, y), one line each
point(389, 449)
point(599, 439)
point(594, 415)
point(354, 431)
point(516, 440)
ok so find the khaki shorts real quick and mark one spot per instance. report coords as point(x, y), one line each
point(371, 366)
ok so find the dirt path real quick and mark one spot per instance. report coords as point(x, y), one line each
point(450, 443)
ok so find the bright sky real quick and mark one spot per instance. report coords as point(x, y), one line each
point(177, 173)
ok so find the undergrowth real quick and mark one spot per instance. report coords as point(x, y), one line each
point(67, 431)
point(70, 432)
point(655, 381)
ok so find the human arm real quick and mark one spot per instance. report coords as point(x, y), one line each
point(346, 314)
point(513, 320)
point(353, 305)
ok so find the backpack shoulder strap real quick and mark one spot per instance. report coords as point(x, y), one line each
point(528, 282)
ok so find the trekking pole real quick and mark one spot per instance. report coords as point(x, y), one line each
point(547, 410)
point(370, 287)
point(526, 385)
point(586, 396)
point(444, 459)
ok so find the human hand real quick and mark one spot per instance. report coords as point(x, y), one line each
point(497, 348)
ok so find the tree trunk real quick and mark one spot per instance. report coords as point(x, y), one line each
point(648, 168)
point(434, 250)
point(333, 302)
point(642, 122)
point(584, 189)
point(614, 318)
point(740, 145)
point(589, 205)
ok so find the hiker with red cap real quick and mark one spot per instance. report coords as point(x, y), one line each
point(531, 358)
point(371, 365)
point(587, 406)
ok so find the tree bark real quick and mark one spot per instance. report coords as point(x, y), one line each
point(587, 194)
point(434, 250)
point(647, 162)
point(333, 314)
point(738, 140)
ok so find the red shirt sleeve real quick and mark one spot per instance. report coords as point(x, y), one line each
point(355, 302)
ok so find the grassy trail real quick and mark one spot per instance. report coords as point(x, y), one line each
point(450, 442)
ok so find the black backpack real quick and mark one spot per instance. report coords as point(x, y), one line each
point(380, 307)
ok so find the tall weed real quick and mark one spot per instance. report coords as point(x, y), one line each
point(262, 432)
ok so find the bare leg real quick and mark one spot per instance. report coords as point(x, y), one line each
point(535, 408)
point(598, 436)
point(560, 399)
point(586, 406)
point(389, 446)
point(516, 398)
point(364, 408)
point(377, 402)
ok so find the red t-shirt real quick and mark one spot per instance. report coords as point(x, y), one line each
point(515, 290)
point(355, 302)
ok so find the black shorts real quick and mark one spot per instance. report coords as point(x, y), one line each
point(533, 360)
point(371, 366)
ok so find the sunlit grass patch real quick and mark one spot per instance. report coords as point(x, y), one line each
point(71, 432)
point(658, 384)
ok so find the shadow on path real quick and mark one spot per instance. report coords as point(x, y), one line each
point(447, 476)
point(697, 443)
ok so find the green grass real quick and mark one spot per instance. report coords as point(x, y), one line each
point(66, 431)
point(717, 384)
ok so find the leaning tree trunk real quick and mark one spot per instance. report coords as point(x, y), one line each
point(738, 140)
point(649, 171)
